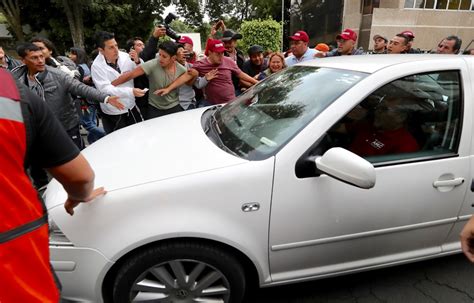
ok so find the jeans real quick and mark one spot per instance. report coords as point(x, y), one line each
point(89, 122)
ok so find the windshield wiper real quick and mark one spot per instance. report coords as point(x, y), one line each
point(215, 123)
point(210, 120)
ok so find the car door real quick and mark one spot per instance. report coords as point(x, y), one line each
point(322, 226)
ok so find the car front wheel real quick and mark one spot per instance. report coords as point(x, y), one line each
point(180, 272)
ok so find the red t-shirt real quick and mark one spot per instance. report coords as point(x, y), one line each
point(371, 142)
point(220, 89)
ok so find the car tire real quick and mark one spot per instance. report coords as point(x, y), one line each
point(180, 272)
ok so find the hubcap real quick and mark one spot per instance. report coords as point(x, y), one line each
point(181, 281)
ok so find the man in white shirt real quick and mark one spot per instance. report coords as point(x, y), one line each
point(299, 49)
point(109, 65)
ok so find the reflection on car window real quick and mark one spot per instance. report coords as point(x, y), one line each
point(258, 123)
point(414, 117)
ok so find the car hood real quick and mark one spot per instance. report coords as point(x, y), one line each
point(162, 148)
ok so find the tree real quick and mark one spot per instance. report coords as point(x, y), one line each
point(74, 11)
point(266, 33)
point(11, 11)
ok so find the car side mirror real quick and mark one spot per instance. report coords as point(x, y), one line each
point(346, 166)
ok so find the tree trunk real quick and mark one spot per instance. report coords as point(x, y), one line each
point(11, 10)
point(74, 12)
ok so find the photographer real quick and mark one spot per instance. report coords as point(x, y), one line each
point(188, 49)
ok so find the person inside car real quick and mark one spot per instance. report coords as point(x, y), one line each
point(385, 133)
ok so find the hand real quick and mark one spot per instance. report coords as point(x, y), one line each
point(467, 239)
point(320, 55)
point(70, 204)
point(137, 92)
point(162, 92)
point(211, 75)
point(115, 102)
point(87, 80)
point(134, 56)
point(159, 32)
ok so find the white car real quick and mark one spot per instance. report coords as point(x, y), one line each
point(329, 167)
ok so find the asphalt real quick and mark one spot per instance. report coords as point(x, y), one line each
point(448, 279)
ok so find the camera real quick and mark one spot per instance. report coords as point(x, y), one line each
point(169, 31)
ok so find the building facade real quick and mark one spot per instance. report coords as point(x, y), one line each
point(430, 20)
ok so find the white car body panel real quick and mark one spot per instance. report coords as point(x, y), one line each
point(167, 180)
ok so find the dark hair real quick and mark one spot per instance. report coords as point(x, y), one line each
point(457, 43)
point(24, 48)
point(49, 45)
point(131, 42)
point(101, 37)
point(467, 51)
point(169, 47)
point(405, 38)
point(80, 54)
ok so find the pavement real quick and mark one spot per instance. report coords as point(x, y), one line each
point(448, 279)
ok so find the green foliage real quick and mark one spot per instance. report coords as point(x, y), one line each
point(266, 33)
point(181, 27)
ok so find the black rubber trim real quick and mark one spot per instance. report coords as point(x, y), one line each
point(22, 229)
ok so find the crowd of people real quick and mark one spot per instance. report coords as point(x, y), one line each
point(153, 79)
point(46, 97)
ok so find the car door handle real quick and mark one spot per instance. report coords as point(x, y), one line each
point(450, 183)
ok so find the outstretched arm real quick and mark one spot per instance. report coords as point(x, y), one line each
point(246, 78)
point(184, 78)
point(137, 72)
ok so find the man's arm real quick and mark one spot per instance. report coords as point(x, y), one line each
point(467, 239)
point(246, 78)
point(137, 72)
point(52, 148)
point(149, 52)
point(103, 83)
point(77, 88)
point(184, 78)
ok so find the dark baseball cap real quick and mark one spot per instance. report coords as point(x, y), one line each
point(255, 49)
point(380, 37)
point(230, 35)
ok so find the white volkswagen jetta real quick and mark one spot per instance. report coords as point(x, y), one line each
point(330, 167)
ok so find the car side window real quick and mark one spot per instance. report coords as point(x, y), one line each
point(414, 118)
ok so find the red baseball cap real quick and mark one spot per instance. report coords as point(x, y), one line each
point(409, 34)
point(185, 39)
point(300, 36)
point(347, 34)
point(215, 46)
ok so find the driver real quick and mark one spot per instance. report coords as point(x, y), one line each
point(387, 134)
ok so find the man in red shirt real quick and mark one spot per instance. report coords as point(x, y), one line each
point(220, 89)
point(387, 133)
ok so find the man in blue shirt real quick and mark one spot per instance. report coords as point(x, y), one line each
point(299, 49)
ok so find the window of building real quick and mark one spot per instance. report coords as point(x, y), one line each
point(369, 6)
point(429, 4)
point(465, 4)
point(440, 4)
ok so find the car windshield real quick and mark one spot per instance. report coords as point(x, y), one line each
point(262, 120)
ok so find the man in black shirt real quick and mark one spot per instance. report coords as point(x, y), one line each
point(255, 65)
point(29, 132)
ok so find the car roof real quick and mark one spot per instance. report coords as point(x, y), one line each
point(373, 63)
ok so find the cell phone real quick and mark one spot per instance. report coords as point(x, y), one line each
point(146, 89)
